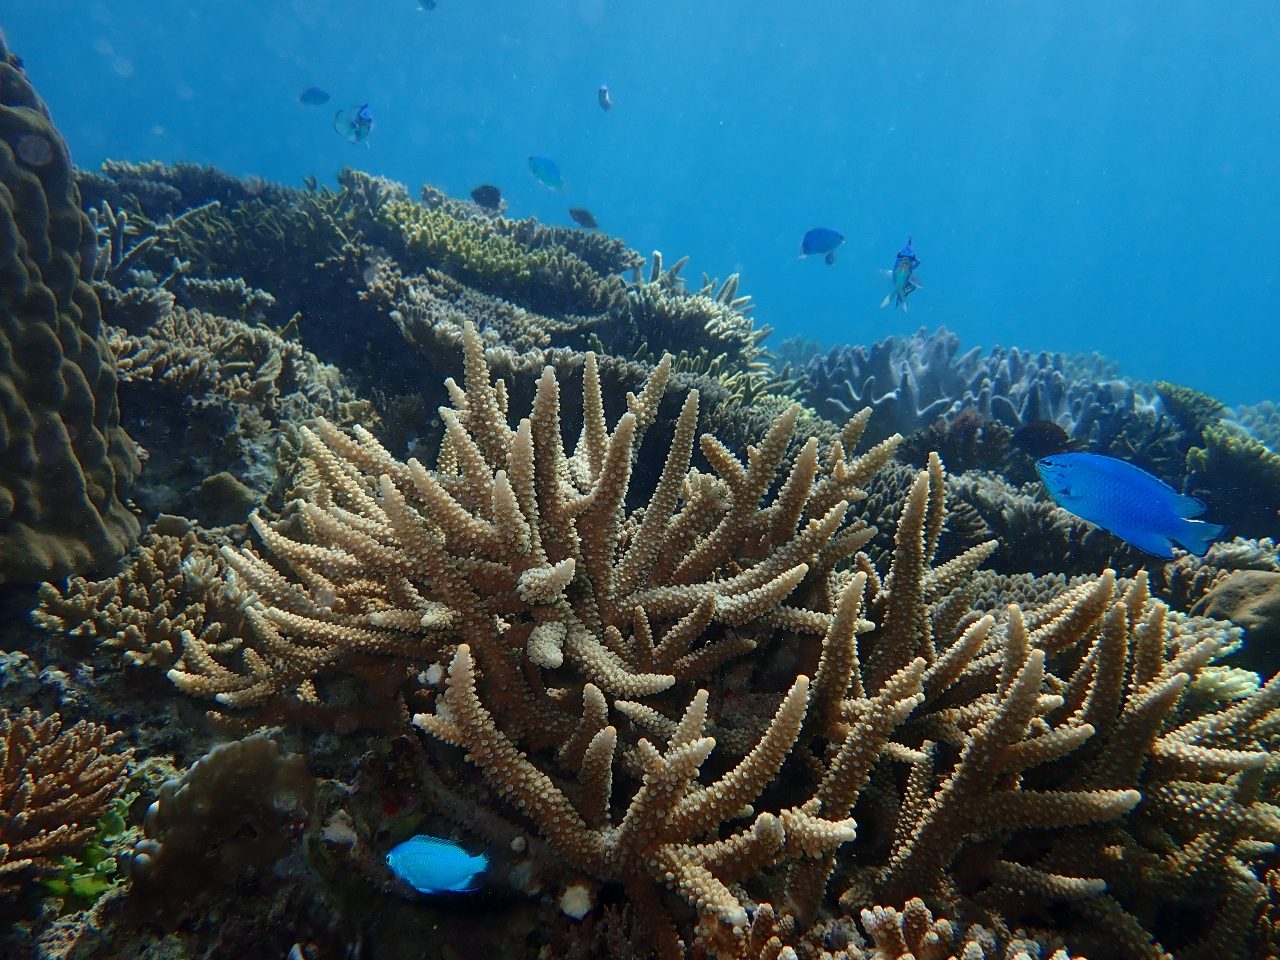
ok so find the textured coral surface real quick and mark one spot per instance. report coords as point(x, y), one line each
point(65, 462)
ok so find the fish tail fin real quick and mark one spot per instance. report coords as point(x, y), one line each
point(903, 304)
point(1196, 535)
point(885, 302)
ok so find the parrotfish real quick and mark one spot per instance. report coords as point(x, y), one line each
point(604, 98)
point(583, 217)
point(1125, 500)
point(904, 283)
point(821, 240)
point(313, 97)
point(547, 172)
point(354, 123)
point(437, 865)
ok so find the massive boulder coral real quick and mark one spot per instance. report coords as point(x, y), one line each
point(65, 462)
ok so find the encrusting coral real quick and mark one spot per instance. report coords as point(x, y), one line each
point(55, 785)
point(65, 462)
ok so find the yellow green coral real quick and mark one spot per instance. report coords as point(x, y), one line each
point(470, 247)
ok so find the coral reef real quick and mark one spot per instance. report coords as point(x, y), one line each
point(508, 579)
point(65, 462)
point(55, 785)
point(993, 764)
point(174, 587)
point(912, 381)
point(237, 809)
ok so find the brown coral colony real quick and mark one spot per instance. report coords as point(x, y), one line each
point(704, 674)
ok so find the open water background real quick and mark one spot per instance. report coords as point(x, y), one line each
point(1077, 176)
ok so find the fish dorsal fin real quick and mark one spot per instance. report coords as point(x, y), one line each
point(1185, 505)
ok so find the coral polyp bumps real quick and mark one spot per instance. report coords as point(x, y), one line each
point(715, 701)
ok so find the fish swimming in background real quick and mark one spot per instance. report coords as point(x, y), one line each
point(904, 283)
point(547, 172)
point(488, 196)
point(821, 240)
point(583, 217)
point(603, 98)
point(1042, 438)
point(436, 865)
point(313, 97)
point(1125, 500)
point(427, 4)
point(354, 123)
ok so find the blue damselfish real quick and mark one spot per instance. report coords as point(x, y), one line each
point(1126, 500)
point(437, 865)
point(821, 240)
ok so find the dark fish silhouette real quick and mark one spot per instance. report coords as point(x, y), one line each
point(313, 97)
point(821, 240)
point(603, 98)
point(583, 218)
point(488, 196)
point(1042, 438)
point(427, 4)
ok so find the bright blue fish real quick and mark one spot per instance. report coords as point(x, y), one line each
point(547, 172)
point(313, 97)
point(354, 123)
point(436, 865)
point(904, 283)
point(821, 240)
point(1117, 496)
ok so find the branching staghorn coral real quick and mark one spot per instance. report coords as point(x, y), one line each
point(55, 785)
point(699, 699)
point(175, 586)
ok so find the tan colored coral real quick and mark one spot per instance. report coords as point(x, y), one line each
point(1009, 763)
point(174, 587)
point(55, 785)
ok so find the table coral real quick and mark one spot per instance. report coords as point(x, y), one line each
point(65, 462)
point(55, 785)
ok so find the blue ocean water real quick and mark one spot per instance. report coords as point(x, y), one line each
point(1076, 177)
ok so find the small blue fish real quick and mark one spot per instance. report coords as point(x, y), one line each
point(904, 283)
point(821, 240)
point(427, 4)
point(1118, 497)
point(547, 172)
point(354, 123)
point(313, 97)
point(436, 865)
point(604, 98)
